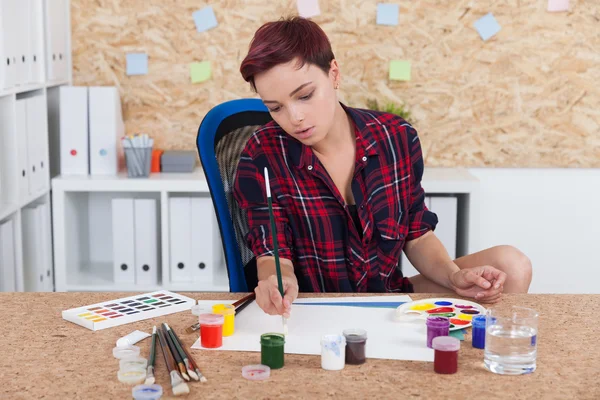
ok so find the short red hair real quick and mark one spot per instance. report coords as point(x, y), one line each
point(279, 42)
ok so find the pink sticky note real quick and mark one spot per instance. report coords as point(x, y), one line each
point(308, 8)
point(558, 5)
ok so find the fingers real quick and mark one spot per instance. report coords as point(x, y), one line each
point(291, 293)
point(478, 280)
point(269, 298)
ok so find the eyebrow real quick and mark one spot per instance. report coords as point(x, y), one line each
point(291, 94)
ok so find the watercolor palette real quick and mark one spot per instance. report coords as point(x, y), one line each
point(460, 312)
point(128, 309)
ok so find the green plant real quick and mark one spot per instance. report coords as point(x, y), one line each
point(391, 108)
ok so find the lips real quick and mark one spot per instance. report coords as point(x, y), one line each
point(304, 133)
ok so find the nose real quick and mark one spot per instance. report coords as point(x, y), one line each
point(296, 115)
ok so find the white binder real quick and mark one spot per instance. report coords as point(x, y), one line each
point(74, 155)
point(52, 27)
point(22, 40)
point(36, 45)
point(37, 143)
point(7, 258)
point(106, 126)
point(146, 242)
point(206, 248)
point(33, 271)
point(22, 149)
point(180, 236)
point(9, 29)
point(446, 209)
point(3, 53)
point(45, 228)
point(123, 240)
point(62, 29)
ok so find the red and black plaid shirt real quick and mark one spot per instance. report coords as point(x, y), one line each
point(314, 226)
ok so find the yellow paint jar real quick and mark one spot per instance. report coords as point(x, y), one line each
point(228, 311)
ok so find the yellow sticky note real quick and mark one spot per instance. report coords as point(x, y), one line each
point(200, 71)
point(400, 70)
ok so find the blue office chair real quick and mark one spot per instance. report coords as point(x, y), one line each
point(222, 135)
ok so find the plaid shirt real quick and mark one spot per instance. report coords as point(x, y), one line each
point(314, 226)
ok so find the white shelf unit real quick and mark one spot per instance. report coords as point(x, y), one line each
point(35, 59)
point(83, 241)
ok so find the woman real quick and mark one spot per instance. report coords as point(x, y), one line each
point(346, 188)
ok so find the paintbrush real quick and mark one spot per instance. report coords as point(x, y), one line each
point(178, 385)
point(275, 244)
point(175, 353)
point(239, 306)
point(189, 356)
point(186, 361)
point(150, 372)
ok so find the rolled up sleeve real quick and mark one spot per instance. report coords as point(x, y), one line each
point(421, 219)
point(250, 193)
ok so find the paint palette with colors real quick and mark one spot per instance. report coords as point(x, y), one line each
point(128, 309)
point(460, 312)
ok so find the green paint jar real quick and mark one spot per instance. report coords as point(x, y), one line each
point(271, 350)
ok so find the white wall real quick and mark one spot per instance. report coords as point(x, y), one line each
point(553, 216)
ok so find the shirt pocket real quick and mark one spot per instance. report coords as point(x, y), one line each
point(391, 237)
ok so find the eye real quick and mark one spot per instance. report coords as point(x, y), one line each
point(274, 109)
point(308, 96)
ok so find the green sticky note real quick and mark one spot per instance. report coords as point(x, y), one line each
point(400, 70)
point(200, 71)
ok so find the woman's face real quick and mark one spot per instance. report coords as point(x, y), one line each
point(302, 101)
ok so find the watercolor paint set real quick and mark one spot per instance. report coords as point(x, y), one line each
point(128, 309)
point(460, 312)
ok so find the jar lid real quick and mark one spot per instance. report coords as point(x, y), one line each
point(125, 352)
point(355, 335)
point(132, 376)
point(437, 321)
point(147, 392)
point(257, 372)
point(133, 361)
point(333, 339)
point(445, 343)
point(478, 321)
point(272, 339)
point(224, 309)
point(211, 319)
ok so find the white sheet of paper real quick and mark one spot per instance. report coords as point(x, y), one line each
point(362, 299)
point(386, 338)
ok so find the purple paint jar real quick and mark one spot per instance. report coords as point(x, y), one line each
point(436, 326)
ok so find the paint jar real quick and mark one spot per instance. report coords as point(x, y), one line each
point(227, 311)
point(133, 361)
point(271, 350)
point(211, 330)
point(333, 352)
point(125, 352)
point(147, 392)
point(436, 326)
point(445, 357)
point(356, 341)
point(478, 334)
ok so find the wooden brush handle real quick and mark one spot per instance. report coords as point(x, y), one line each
point(189, 356)
point(244, 299)
point(172, 347)
point(166, 352)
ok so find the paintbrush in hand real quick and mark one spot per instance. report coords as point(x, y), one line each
point(178, 385)
point(275, 244)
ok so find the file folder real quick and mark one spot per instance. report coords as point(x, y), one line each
point(9, 29)
point(206, 248)
point(146, 242)
point(106, 127)
point(7, 258)
point(180, 235)
point(37, 143)
point(36, 45)
point(45, 227)
point(22, 149)
point(123, 240)
point(32, 256)
point(74, 154)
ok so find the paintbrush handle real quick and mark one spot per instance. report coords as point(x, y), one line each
point(176, 343)
point(240, 308)
point(153, 348)
point(166, 353)
point(275, 246)
point(176, 355)
point(244, 299)
point(189, 356)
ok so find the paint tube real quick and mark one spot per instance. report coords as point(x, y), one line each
point(132, 338)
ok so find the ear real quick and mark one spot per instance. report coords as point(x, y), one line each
point(334, 73)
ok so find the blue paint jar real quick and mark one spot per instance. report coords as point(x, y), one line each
point(478, 323)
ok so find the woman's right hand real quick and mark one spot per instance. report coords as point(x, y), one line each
point(269, 299)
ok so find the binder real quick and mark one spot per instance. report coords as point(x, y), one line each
point(446, 209)
point(3, 53)
point(52, 28)
point(73, 111)
point(22, 39)
point(37, 143)
point(206, 249)
point(123, 240)
point(180, 236)
point(8, 30)
point(34, 275)
point(45, 227)
point(8, 260)
point(62, 29)
point(22, 149)
point(146, 242)
point(36, 43)
point(106, 126)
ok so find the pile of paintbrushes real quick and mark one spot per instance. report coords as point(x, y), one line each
point(180, 363)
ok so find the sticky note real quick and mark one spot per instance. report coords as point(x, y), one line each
point(205, 19)
point(137, 64)
point(387, 14)
point(200, 71)
point(487, 26)
point(400, 70)
point(558, 5)
point(308, 8)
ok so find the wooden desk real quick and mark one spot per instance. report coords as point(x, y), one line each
point(44, 356)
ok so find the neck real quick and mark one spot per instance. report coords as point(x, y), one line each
point(340, 134)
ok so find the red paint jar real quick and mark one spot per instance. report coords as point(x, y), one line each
point(211, 330)
point(445, 357)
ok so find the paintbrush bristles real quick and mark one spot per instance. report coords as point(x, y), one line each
point(178, 385)
point(190, 358)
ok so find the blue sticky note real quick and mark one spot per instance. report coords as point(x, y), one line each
point(205, 19)
point(487, 26)
point(137, 64)
point(387, 14)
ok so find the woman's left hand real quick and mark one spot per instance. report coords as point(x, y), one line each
point(484, 283)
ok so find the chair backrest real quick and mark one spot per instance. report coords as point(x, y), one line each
point(222, 135)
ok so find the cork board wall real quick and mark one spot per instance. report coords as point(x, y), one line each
point(527, 97)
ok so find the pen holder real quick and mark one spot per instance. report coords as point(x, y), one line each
point(138, 161)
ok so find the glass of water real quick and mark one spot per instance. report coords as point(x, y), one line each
point(511, 340)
